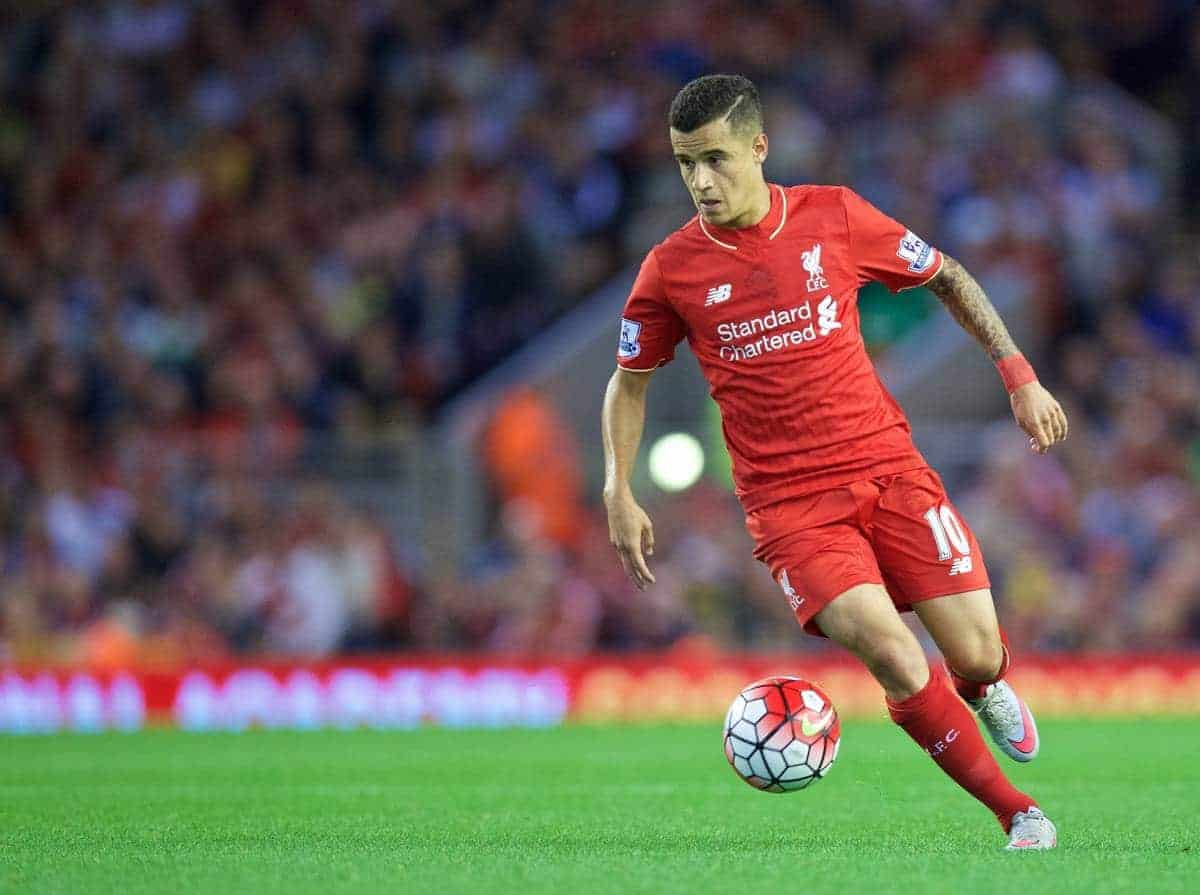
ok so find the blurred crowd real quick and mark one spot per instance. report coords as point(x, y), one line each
point(238, 240)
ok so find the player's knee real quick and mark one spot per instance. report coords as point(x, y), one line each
point(977, 656)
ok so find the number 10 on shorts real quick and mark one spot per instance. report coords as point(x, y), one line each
point(947, 532)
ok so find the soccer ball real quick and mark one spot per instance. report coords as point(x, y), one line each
point(781, 734)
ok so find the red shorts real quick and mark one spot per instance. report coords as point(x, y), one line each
point(899, 530)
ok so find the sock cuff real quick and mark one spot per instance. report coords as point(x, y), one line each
point(906, 708)
point(1005, 662)
point(973, 689)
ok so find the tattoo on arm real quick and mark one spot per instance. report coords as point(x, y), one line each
point(966, 301)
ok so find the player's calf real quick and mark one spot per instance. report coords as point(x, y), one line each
point(941, 725)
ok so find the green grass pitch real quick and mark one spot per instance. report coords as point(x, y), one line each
point(579, 810)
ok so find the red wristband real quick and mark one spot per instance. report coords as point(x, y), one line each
point(1015, 371)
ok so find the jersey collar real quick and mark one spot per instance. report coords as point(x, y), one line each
point(768, 228)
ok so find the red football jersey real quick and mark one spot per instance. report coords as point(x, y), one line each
point(771, 313)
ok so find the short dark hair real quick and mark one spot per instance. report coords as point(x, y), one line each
point(715, 96)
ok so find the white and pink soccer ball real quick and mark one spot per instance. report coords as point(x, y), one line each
point(782, 734)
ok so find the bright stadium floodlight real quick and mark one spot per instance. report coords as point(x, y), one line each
point(676, 461)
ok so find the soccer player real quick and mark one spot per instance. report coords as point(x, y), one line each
point(853, 524)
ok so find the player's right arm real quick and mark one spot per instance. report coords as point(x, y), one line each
point(629, 528)
point(650, 330)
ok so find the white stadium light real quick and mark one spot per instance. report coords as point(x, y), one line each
point(676, 461)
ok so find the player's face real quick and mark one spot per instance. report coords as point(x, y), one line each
point(722, 170)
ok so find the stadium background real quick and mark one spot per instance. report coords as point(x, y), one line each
point(307, 307)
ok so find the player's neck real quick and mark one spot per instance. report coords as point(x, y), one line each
point(758, 210)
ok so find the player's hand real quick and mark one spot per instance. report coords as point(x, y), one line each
point(1039, 415)
point(630, 531)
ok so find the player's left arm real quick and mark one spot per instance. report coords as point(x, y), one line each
point(1035, 409)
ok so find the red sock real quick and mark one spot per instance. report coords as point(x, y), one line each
point(944, 727)
point(978, 689)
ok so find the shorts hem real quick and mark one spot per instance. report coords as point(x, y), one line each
point(808, 623)
point(921, 598)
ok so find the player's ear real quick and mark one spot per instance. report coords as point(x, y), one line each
point(759, 148)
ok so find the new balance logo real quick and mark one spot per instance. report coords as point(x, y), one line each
point(961, 566)
point(718, 294)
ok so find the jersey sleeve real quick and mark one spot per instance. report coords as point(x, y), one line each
point(885, 250)
point(650, 328)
